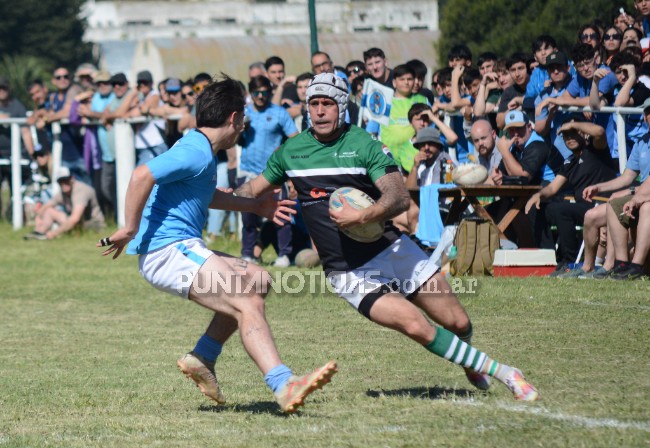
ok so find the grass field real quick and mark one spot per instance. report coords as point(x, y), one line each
point(89, 349)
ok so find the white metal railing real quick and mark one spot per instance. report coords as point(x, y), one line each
point(125, 152)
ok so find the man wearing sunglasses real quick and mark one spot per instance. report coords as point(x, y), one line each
point(267, 126)
point(59, 105)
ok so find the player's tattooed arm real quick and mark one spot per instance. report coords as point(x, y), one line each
point(394, 198)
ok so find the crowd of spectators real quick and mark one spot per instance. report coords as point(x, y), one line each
point(503, 111)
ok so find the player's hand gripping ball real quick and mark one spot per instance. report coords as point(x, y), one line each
point(364, 233)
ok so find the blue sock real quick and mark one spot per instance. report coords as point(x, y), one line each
point(207, 348)
point(278, 377)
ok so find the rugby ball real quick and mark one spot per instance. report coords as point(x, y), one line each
point(307, 258)
point(469, 174)
point(364, 233)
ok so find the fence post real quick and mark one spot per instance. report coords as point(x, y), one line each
point(622, 144)
point(124, 164)
point(16, 178)
point(57, 152)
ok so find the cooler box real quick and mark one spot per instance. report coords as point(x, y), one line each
point(524, 262)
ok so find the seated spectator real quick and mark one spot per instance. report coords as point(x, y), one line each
point(548, 119)
point(588, 164)
point(76, 204)
point(513, 96)
point(525, 153)
point(428, 164)
point(420, 116)
point(484, 139)
point(638, 167)
point(624, 215)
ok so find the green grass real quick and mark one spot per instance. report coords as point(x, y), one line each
point(89, 349)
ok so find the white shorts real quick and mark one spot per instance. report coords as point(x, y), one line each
point(172, 268)
point(402, 267)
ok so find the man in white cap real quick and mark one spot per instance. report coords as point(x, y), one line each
point(75, 203)
point(391, 281)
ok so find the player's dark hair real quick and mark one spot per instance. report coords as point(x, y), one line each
point(401, 70)
point(273, 60)
point(373, 53)
point(259, 81)
point(217, 101)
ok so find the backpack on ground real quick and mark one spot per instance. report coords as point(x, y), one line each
point(476, 241)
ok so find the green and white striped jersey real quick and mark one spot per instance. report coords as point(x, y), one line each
point(316, 170)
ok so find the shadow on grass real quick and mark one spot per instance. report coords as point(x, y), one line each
point(425, 393)
point(258, 407)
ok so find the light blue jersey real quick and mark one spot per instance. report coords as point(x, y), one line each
point(265, 133)
point(186, 179)
point(639, 160)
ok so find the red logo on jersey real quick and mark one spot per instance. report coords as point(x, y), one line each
point(317, 193)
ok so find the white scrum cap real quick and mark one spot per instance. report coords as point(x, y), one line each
point(331, 86)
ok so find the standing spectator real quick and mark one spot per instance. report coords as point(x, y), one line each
point(267, 126)
point(513, 96)
point(377, 66)
point(60, 103)
point(354, 69)
point(420, 69)
point(10, 107)
point(98, 104)
point(284, 89)
point(459, 55)
point(125, 99)
point(399, 131)
point(449, 78)
point(631, 38)
point(540, 78)
point(256, 69)
point(149, 141)
point(589, 34)
point(302, 81)
point(612, 38)
point(487, 62)
point(42, 147)
point(548, 119)
point(324, 64)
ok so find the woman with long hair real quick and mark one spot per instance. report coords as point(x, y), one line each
point(611, 43)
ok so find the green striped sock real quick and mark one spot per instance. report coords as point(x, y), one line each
point(447, 345)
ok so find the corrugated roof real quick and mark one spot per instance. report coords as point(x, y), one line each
point(232, 55)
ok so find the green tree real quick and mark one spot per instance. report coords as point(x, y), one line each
point(20, 71)
point(506, 26)
point(50, 30)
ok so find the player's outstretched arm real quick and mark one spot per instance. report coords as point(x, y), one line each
point(256, 196)
point(140, 186)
